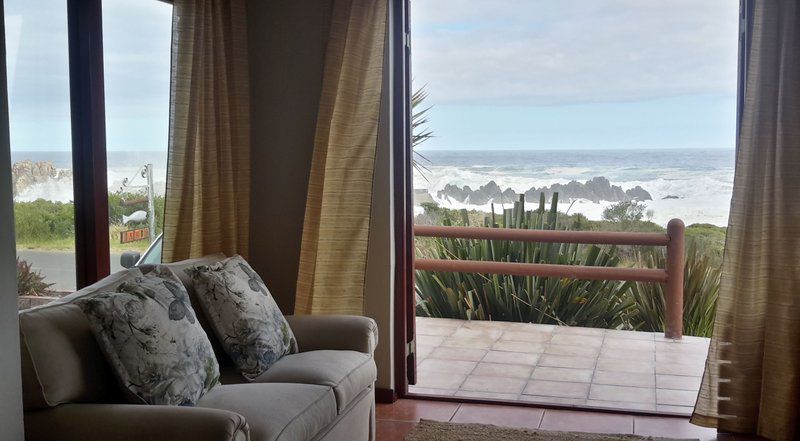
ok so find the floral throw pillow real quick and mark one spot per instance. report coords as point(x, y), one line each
point(244, 315)
point(149, 333)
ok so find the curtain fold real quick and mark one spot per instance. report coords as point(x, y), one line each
point(208, 172)
point(333, 255)
point(752, 378)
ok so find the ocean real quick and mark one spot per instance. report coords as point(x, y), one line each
point(696, 183)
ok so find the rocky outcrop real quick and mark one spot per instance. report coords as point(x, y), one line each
point(25, 174)
point(596, 190)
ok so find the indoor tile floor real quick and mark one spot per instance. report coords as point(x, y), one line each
point(394, 421)
point(573, 366)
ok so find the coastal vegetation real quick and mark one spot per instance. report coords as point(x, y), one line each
point(606, 304)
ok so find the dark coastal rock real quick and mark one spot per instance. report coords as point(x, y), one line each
point(669, 196)
point(25, 174)
point(596, 189)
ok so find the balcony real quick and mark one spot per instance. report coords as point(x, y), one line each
point(562, 365)
point(571, 366)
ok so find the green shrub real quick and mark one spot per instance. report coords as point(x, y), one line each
point(701, 288)
point(29, 282)
point(592, 303)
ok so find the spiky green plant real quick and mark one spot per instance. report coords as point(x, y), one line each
point(30, 282)
point(591, 303)
point(419, 130)
point(701, 289)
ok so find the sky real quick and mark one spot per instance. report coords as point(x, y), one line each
point(136, 38)
point(500, 74)
point(577, 74)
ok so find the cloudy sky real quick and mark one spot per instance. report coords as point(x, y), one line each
point(137, 35)
point(577, 74)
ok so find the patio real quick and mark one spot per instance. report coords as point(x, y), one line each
point(584, 367)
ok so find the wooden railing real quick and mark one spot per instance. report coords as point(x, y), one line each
point(671, 276)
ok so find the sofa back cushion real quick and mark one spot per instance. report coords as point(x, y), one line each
point(61, 360)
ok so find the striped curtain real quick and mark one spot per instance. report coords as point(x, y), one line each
point(752, 378)
point(333, 254)
point(208, 173)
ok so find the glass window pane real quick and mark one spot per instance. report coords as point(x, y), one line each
point(38, 91)
point(136, 45)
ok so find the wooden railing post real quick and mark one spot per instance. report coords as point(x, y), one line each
point(674, 288)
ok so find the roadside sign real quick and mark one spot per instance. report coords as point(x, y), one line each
point(134, 235)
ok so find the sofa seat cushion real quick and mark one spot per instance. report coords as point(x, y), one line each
point(348, 373)
point(276, 411)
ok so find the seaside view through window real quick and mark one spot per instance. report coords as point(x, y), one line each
point(136, 40)
point(617, 115)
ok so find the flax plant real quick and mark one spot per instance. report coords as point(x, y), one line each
point(562, 301)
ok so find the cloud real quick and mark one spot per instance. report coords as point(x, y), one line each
point(577, 51)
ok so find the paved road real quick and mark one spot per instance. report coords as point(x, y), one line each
point(58, 267)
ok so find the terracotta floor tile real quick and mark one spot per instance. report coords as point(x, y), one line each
point(624, 379)
point(624, 405)
point(562, 374)
point(678, 382)
point(503, 370)
point(465, 354)
point(519, 346)
point(440, 380)
point(672, 397)
point(644, 367)
point(466, 342)
point(622, 393)
point(538, 337)
point(413, 410)
point(577, 340)
point(560, 389)
point(487, 395)
point(575, 330)
point(675, 427)
point(502, 385)
point(566, 361)
point(580, 421)
point(507, 416)
point(520, 358)
point(446, 366)
point(628, 344)
point(572, 351)
point(392, 430)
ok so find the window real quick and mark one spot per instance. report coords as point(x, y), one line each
point(39, 119)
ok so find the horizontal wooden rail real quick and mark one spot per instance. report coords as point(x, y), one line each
point(671, 276)
point(543, 270)
point(548, 236)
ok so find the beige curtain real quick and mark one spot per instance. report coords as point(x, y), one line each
point(336, 228)
point(752, 379)
point(208, 175)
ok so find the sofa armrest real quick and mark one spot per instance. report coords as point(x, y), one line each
point(134, 422)
point(338, 332)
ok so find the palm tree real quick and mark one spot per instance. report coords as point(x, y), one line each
point(419, 130)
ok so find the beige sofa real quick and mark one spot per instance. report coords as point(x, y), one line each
point(325, 392)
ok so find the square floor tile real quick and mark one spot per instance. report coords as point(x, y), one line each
point(675, 427)
point(469, 343)
point(519, 358)
point(640, 366)
point(577, 340)
point(519, 346)
point(562, 374)
point(479, 333)
point(440, 380)
point(566, 361)
point(577, 330)
point(503, 370)
point(622, 405)
point(631, 335)
point(679, 369)
point(503, 385)
point(626, 354)
point(557, 389)
point(580, 421)
point(672, 397)
point(431, 391)
point(631, 345)
point(433, 330)
point(393, 430)
point(678, 382)
point(506, 416)
point(413, 410)
point(541, 399)
point(465, 354)
point(624, 379)
point(486, 395)
point(537, 337)
point(446, 366)
point(622, 393)
point(572, 351)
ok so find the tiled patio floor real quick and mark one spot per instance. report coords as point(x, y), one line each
point(573, 366)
